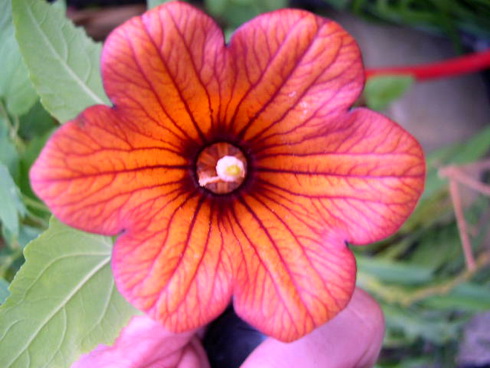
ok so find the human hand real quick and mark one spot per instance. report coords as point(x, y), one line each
point(353, 339)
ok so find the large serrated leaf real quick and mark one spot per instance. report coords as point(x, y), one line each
point(64, 63)
point(15, 88)
point(12, 205)
point(63, 301)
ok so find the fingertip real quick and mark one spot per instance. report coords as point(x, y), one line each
point(353, 339)
point(193, 356)
point(372, 324)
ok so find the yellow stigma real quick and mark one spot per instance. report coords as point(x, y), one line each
point(233, 170)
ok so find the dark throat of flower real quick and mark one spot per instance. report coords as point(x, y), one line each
point(221, 168)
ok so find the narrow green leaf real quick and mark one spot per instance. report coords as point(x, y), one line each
point(63, 301)
point(394, 272)
point(63, 62)
point(15, 88)
point(465, 297)
point(12, 205)
point(383, 90)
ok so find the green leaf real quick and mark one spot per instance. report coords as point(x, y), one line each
point(63, 301)
point(15, 88)
point(31, 152)
point(414, 324)
point(62, 60)
point(8, 153)
point(338, 4)
point(4, 291)
point(60, 4)
point(12, 205)
point(36, 122)
point(383, 90)
point(28, 234)
point(237, 12)
point(456, 154)
point(154, 3)
point(394, 272)
point(464, 297)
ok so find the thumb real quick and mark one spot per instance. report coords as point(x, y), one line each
point(353, 339)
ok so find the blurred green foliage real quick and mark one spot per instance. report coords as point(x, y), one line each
point(24, 126)
point(451, 18)
point(419, 275)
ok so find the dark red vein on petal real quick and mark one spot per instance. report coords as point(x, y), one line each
point(285, 79)
point(264, 266)
point(259, 80)
point(119, 194)
point(191, 57)
point(299, 98)
point(165, 239)
point(142, 108)
point(333, 153)
point(278, 252)
point(123, 150)
point(327, 174)
point(174, 82)
point(303, 251)
point(148, 81)
point(326, 196)
point(291, 210)
point(202, 255)
point(264, 144)
point(213, 216)
point(141, 206)
point(114, 173)
point(295, 129)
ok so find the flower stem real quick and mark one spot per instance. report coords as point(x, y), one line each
point(449, 68)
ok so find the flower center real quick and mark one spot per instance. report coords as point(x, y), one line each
point(221, 168)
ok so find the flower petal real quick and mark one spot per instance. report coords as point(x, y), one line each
point(295, 275)
point(101, 173)
point(146, 343)
point(291, 65)
point(360, 176)
point(164, 68)
point(177, 266)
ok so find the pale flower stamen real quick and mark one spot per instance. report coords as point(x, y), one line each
point(228, 169)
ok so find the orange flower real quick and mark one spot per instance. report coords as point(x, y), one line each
point(306, 174)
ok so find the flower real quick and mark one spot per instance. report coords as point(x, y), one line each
point(313, 175)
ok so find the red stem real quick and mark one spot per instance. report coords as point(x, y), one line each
point(449, 68)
